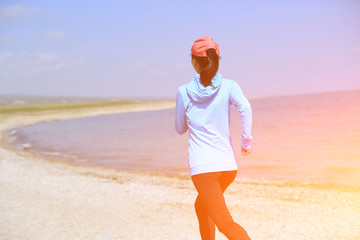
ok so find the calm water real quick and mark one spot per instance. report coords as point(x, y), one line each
point(308, 139)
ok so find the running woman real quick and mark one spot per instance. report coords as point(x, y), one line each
point(203, 107)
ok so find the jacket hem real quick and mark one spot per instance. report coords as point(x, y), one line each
point(213, 168)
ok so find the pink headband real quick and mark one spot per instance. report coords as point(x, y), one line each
point(202, 44)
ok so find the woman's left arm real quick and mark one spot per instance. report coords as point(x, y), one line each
point(243, 106)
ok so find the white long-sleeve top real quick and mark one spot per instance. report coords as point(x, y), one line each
point(205, 111)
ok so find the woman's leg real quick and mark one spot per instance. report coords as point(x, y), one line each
point(210, 187)
point(206, 224)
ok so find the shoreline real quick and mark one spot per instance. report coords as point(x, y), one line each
point(44, 198)
point(22, 119)
point(156, 106)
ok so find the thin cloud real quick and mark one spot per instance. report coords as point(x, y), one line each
point(138, 65)
point(4, 39)
point(55, 36)
point(15, 12)
point(159, 72)
point(183, 66)
point(24, 63)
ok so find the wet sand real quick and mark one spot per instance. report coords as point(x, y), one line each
point(44, 198)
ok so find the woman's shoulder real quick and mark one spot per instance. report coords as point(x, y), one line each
point(182, 89)
point(228, 83)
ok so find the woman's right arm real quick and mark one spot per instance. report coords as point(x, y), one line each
point(180, 119)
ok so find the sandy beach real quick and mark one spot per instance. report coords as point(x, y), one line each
point(44, 198)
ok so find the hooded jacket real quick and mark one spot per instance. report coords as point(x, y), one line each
point(205, 111)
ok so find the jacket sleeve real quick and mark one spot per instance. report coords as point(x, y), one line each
point(180, 119)
point(242, 105)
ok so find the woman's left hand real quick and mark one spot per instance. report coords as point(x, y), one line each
point(244, 152)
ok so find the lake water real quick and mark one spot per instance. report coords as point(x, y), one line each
point(312, 140)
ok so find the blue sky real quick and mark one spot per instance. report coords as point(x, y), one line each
point(140, 49)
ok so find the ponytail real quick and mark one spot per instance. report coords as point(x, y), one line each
point(209, 64)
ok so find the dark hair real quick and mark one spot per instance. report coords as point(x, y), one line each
point(209, 64)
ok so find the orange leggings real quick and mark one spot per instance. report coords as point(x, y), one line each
point(211, 208)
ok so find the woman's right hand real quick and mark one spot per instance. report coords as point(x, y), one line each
point(244, 152)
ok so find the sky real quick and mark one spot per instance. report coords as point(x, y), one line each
point(140, 49)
